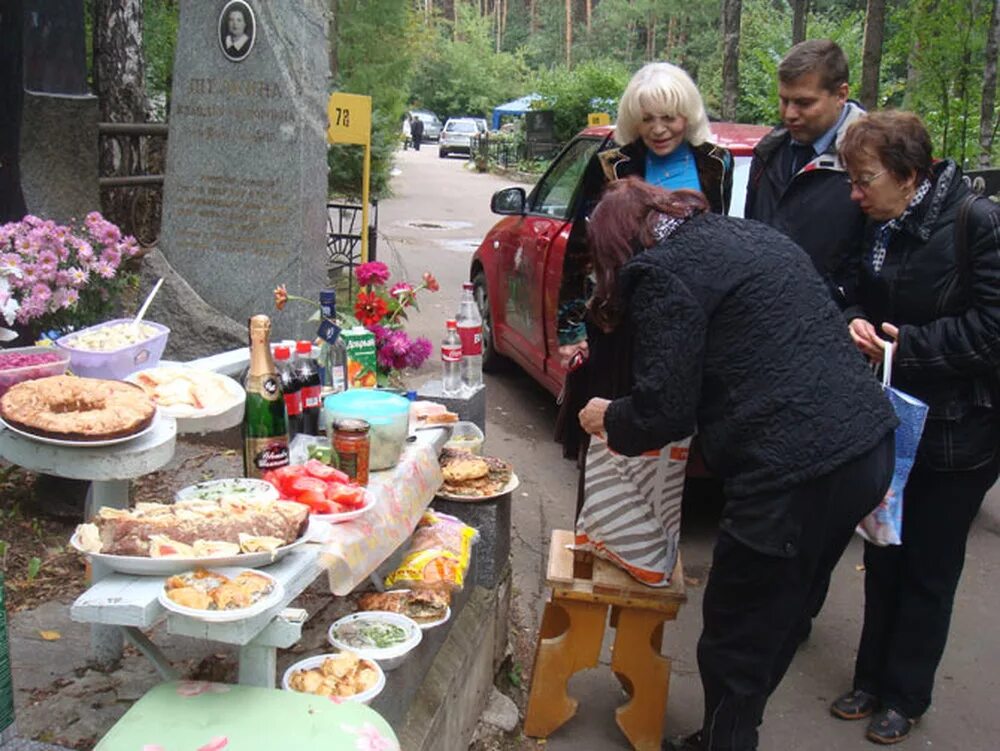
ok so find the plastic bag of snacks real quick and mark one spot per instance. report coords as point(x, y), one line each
point(439, 554)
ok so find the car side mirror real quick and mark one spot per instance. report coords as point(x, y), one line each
point(508, 201)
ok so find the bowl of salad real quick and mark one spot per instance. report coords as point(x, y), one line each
point(384, 637)
point(236, 487)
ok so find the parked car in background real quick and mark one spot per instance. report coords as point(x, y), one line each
point(484, 127)
point(518, 268)
point(456, 136)
point(432, 124)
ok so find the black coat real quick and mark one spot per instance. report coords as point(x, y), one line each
point(949, 341)
point(813, 208)
point(735, 335)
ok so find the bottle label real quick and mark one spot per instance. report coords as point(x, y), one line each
point(310, 397)
point(472, 340)
point(328, 331)
point(451, 352)
point(263, 454)
point(267, 386)
point(293, 404)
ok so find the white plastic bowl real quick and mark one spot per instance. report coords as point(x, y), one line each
point(241, 487)
point(389, 658)
point(311, 663)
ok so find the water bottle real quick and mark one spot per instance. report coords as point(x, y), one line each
point(470, 331)
point(333, 353)
point(290, 389)
point(307, 374)
point(451, 360)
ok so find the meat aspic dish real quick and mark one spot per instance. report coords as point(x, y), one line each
point(195, 528)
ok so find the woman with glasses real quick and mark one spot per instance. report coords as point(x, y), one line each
point(929, 288)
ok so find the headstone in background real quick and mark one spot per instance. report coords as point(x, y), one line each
point(245, 191)
point(58, 130)
point(539, 133)
point(985, 182)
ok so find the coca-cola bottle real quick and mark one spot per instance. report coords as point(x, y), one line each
point(470, 331)
point(290, 388)
point(451, 360)
point(307, 374)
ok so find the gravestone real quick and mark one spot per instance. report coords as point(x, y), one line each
point(58, 174)
point(245, 190)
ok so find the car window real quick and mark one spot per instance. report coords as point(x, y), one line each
point(556, 192)
point(461, 127)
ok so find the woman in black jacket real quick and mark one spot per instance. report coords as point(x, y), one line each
point(735, 333)
point(930, 285)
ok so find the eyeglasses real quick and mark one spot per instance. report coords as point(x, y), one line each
point(864, 183)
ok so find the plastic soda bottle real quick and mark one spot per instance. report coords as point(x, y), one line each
point(451, 360)
point(307, 374)
point(470, 331)
point(290, 390)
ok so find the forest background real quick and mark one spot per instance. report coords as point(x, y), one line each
point(937, 58)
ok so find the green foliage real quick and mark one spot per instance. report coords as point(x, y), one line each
point(159, 38)
point(466, 76)
point(34, 568)
point(574, 93)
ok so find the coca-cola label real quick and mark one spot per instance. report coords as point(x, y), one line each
point(310, 397)
point(293, 404)
point(451, 352)
point(472, 340)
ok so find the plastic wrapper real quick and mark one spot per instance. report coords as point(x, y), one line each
point(305, 447)
point(439, 555)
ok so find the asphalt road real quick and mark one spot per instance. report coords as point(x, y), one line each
point(438, 215)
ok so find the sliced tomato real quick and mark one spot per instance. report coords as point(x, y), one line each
point(299, 485)
point(350, 496)
point(317, 503)
point(316, 468)
point(282, 477)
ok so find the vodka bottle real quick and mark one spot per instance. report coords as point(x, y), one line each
point(451, 360)
point(470, 331)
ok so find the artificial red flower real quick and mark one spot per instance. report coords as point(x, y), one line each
point(370, 308)
point(430, 282)
point(280, 297)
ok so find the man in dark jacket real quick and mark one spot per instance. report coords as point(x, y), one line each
point(416, 132)
point(797, 183)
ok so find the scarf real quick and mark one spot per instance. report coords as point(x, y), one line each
point(883, 235)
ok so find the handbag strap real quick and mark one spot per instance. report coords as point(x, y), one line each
point(962, 259)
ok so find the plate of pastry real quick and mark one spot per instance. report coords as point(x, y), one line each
point(196, 398)
point(470, 477)
point(218, 595)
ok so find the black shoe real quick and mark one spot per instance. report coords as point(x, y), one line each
point(854, 705)
point(889, 726)
point(688, 743)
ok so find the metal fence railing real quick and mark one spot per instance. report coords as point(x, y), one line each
point(343, 240)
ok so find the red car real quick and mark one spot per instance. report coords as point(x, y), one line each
point(518, 267)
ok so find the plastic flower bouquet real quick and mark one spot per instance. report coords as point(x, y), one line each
point(382, 308)
point(62, 277)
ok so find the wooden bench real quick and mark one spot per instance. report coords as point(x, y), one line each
point(572, 631)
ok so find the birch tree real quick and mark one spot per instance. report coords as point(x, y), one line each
point(871, 57)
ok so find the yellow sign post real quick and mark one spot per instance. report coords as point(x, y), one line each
point(598, 118)
point(350, 121)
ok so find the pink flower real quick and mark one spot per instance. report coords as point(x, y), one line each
point(129, 247)
point(370, 738)
point(105, 269)
point(373, 272)
point(77, 276)
point(403, 292)
point(48, 257)
point(111, 256)
point(215, 744)
point(41, 291)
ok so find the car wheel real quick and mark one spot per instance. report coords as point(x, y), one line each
point(493, 361)
point(442, 153)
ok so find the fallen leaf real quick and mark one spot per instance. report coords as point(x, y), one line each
point(859, 567)
point(50, 635)
point(229, 452)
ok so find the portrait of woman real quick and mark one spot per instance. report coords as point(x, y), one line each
point(236, 30)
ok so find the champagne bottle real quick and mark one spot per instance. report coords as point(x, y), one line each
point(265, 429)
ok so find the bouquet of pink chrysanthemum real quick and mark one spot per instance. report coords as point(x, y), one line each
point(60, 276)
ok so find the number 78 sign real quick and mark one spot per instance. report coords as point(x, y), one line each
point(350, 121)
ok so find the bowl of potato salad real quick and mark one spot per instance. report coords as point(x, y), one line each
point(114, 349)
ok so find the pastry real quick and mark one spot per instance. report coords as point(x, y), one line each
point(77, 409)
point(185, 391)
point(423, 606)
point(491, 475)
point(209, 590)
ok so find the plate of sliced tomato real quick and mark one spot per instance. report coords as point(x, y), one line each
point(327, 491)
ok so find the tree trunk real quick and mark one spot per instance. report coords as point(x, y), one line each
point(332, 33)
point(119, 81)
point(800, 13)
point(668, 50)
point(731, 11)
point(569, 33)
point(871, 58)
point(533, 16)
point(988, 109)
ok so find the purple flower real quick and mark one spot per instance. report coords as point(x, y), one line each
point(419, 351)
point(392, 353)
point(111, 256)
point(373, 272)
point(105, 269)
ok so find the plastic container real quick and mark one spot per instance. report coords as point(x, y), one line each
point(388, 658)
point(311, 663)
point(13, 376)
point(117, 363)
point(466, 436)
point(388, 415)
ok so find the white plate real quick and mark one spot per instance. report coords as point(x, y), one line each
point(388, 658)
point(310, 663)
point(145, 566)
point(235, 391)
point(223, 616)
point(251, 487)
point(84, 444)
point(424, 625)
point(344, 516)
point(511, 486)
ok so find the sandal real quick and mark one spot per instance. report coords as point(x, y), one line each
point(854, 705)
point(888, 727)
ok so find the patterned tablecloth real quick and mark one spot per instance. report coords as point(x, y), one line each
point(354, 549)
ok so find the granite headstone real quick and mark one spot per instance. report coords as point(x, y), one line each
point(245, 188)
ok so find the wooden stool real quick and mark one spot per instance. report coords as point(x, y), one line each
point(572, 632)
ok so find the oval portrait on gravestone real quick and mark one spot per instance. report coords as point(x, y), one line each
point(236, 30)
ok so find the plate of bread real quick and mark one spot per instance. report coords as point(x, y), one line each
point(219, 595)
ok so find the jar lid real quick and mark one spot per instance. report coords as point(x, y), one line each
point(351, 425)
